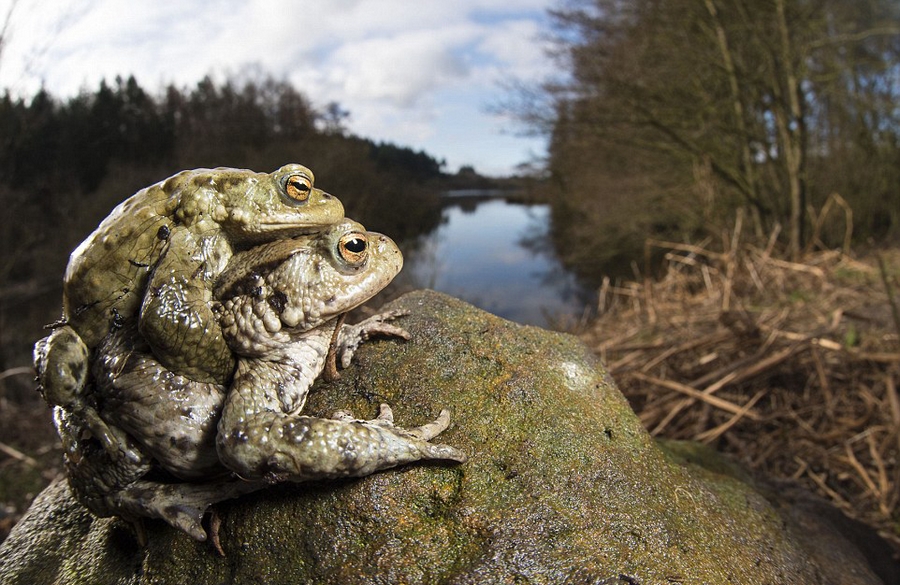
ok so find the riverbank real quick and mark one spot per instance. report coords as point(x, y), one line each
point(790, 367)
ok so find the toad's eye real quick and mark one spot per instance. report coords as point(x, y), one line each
point(298, 187)
point(353, 248)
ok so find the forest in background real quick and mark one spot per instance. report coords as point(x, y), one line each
point(670, 115)
point(64, 164)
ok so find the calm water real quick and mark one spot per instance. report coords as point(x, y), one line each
point(495, 255)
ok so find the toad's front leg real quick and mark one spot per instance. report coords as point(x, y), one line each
point(350, 337)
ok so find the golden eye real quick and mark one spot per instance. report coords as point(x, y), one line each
point(299, 187)
point(354, 248)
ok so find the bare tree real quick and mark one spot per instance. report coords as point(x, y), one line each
point(766, 95)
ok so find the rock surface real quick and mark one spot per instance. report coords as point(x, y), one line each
point(563, 485)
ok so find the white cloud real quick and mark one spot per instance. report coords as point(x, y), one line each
point(419, 74)
point(516, 47)
point(400, 69)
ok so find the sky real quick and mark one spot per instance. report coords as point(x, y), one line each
point(428, 74)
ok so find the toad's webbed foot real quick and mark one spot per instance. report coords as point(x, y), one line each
point(115, 486)
point(61, 364)
point(181, 505)
point(111, 438)
point(352, 336)
point(385, 419)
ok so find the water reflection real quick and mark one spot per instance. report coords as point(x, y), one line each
point(496, 255)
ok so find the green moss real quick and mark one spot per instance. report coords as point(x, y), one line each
point(562, 482)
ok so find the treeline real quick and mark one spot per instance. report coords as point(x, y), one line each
point(65, 163)
point(675, 113)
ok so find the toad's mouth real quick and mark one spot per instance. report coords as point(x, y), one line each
point(276, 225)
point(280, 230)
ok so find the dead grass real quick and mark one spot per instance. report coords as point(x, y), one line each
point(792, 367)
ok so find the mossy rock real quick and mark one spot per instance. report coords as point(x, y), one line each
point(563, 485)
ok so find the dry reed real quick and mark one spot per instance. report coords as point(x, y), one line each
point(791, 367)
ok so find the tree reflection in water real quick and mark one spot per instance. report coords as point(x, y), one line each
point(496, 255)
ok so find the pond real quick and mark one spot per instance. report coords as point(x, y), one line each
point(496, 255)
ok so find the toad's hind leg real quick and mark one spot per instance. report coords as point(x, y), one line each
point(118, 487)
point(283, 447)
point(61, 362)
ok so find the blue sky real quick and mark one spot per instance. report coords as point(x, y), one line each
point(420, 73)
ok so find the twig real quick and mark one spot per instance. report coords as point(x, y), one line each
point(894, 401)
point(602, 295)
point(18, 371)
point(882, 269)
point(833, 199)
point(754, 368)
point(796, 266)
point(770, 245)
point(617, 366)
point(860, 470)
point(767, 363)
point(883, 483)
point(685, 248)
point(647, 289)
point(670, 416)
point(713, 434)
point(715, 401)
point(835, 497)
point(731, 260)
point(712, 338)
point(16, 454)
